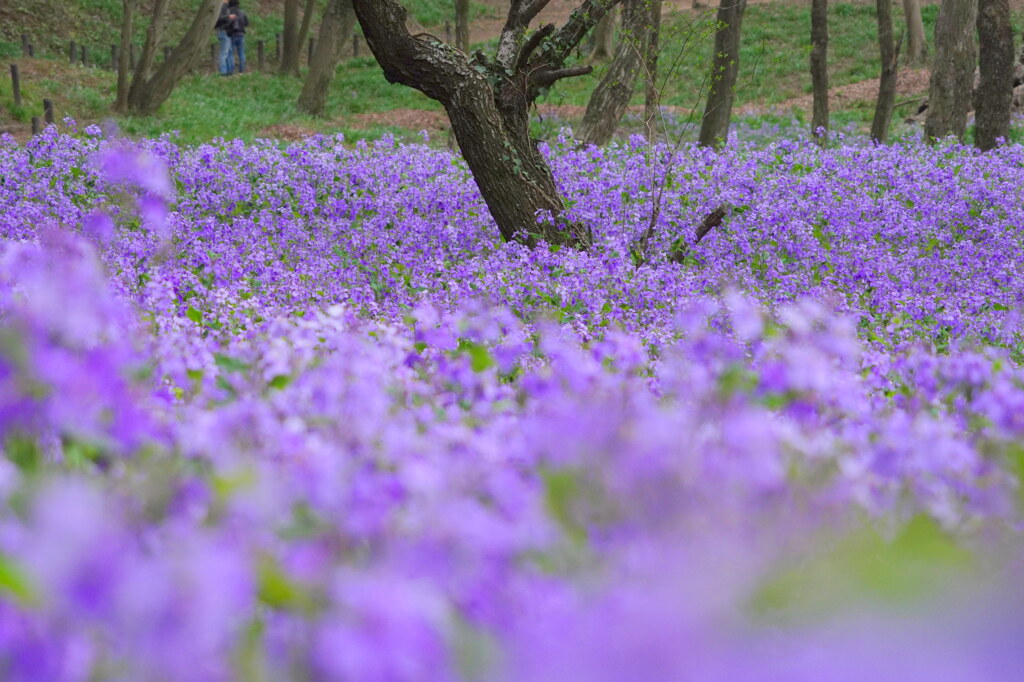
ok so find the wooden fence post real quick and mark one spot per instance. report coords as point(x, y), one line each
point(72, 53)
point(214, 53)
point(31, 50)
point(24, 45)
point(259, 55)
point(35, 125)
point(48, 111)
point(277, 47)
point(16, 85)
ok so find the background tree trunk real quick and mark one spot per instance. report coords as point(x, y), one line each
point(887, 82)
point(336, 27)
point(488, 100)
point(290, 46)
point(714, 128)
point(819, 70)
point(995, 61)
point(651, 95)
point(949, 93)
point(604, 38)
point(124, 55)
point(462, 25)
point(307, 22)
point(153, 35)
point(611, 96)
point(148, 96)
point(917, 46)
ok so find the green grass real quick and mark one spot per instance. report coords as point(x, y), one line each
point(773, 69)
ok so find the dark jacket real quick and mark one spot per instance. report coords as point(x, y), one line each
point(222, 18)
point(237, 25)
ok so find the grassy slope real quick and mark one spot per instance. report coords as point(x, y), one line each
point(773, 68)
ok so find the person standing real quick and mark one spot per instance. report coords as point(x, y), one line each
point(238, 22)
point(225, 61)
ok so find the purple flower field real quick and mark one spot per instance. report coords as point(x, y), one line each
point(297, 413)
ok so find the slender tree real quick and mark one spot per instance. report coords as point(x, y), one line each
point(917, 46)
point(819, 70)
point(889, 51)
point(290, 46)
point(949, 93)
point(995, 62)
point(462, 25)
point(339, 18)
point(714, 128)
point(611, 96)
point(488, 100)
point(154, 32)
point(652, 96)
point(124, 55)
point(146, 95)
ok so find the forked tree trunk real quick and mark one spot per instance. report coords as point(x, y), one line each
point(487, 101)
point(714, 128)
point(611, 96)
point(887, 82)
point(995, 62)
point(147, 97)
point(917, 46)
point(604, 39)
point(153, 35)
point(124, 56)
point(651, 96)
point(819, 70)
point(949, 93)
point(462, 25)
point(290, 46)
point(339, 18)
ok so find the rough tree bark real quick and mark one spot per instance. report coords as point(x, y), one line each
point(887, 82)
point(146, 97)
point(124, 56)
point(462, 25)
point(917, 46)
point(487, 101)
point(339, 18)
point(604, 38)
point(714, 127)
point(611, 96)
point(651, 95)
point(154, 33)
point(995, 62)
point(819, 70)
point(949, 92)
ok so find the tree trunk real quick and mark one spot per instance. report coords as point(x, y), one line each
point(887, 82)
point(148, 96)
point(651, 94)
point(153, 35)
point(714, 128)
point(124, 56)
point(290, 46)
point(917, 46)
point(949, 93)
point(604, 39)
point(995, 62)
point(611, 96)
point(462, 25)
point(819, 70)
point(488, 100)
point(335, 28)
point(307, 22)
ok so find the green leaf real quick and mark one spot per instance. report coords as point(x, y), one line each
point(280, 381)
point(194, 315)
point(14, 583)
point(230, 364)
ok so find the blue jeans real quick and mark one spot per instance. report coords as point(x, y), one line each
point(238, 43)
point(226, 60)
